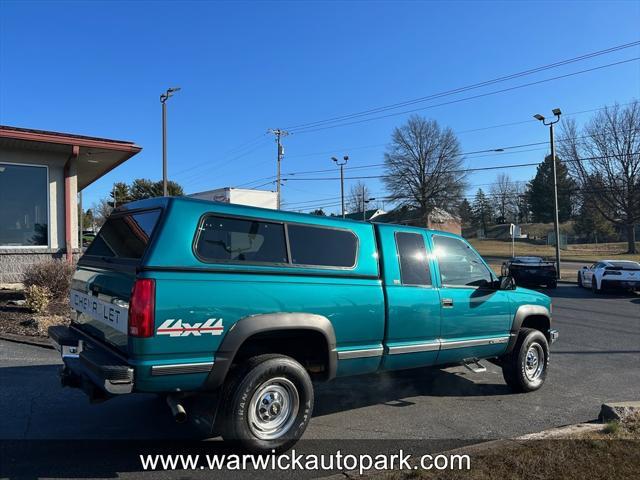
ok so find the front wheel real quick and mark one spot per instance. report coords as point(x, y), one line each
point(594, 286)
point(267, 403)
point(579, 280)
point(525, 368)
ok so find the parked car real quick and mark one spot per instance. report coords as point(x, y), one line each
point(610, 274)
point(531, 271)
point(232, 311)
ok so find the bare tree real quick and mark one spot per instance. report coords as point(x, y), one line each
point(358, 197)
point(505, 198)
point(423, 166)
point(101, 211)
point(605, 160)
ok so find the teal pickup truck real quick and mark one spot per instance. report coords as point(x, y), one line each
point(233, 312)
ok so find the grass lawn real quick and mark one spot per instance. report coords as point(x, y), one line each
point(609, 453)
point(587, 253)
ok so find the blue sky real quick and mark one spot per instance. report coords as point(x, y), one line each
point(98, 68)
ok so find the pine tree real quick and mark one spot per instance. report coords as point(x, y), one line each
point(540, 192)
point(482, 210)
point(465, 212)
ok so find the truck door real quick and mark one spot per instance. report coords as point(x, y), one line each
point(476, 318)
point(413, 304)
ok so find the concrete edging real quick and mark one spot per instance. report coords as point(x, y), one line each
point(42, 342)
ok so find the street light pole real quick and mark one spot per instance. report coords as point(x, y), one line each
point(556, 222)
point(163, 100)
point(364, 206)
point(341, 164)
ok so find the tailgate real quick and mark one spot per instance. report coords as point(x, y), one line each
point(102, 283)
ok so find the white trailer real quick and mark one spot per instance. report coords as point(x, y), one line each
point(241, 196)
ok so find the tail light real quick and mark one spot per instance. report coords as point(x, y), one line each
point(142, 308)
point(612, 272)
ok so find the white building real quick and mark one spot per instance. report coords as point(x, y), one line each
point(241, 196)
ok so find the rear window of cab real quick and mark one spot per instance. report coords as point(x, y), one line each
point(253, 241)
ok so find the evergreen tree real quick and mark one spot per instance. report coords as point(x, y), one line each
point(482, 210)
point(465, 212)
point(540, 192)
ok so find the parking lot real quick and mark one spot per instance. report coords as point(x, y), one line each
point(597, 359)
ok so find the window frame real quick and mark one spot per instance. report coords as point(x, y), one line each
point(447, 285)
point(427, 260)
point(287, 241)
point(48, 207)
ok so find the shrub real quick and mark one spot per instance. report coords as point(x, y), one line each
point(43, 322)
point(55, 275)
point(37, 298)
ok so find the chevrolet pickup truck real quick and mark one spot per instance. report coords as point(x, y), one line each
point(233, 312)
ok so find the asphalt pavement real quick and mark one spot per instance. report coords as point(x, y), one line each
point(597, 359)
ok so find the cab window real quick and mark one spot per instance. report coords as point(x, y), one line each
point(459, 264)
point(412, 256)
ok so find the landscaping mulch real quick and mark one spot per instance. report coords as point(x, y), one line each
point(19, 320)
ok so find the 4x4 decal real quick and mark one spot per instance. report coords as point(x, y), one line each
point(178, 328)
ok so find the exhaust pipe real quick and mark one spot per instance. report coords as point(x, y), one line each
point(177, 410)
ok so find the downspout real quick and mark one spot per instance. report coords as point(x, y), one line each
point(75, 153)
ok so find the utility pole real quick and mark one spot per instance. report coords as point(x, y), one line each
point(556, 223)
point(163, 100)
point(341, 164)
point(280, 152)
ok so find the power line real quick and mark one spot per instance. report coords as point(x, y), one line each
point(464, 99)
point(465, 170)
point(468, 87)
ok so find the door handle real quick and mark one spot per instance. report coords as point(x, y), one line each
point(447, 302)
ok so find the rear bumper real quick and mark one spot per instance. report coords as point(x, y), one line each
point(609, 283)
point(89, 365)
point(533, 278)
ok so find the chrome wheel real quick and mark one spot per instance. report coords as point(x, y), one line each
point(534, 362)
point(273, 408)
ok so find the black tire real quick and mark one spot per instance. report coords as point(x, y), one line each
point(516, 366)
point(594, 286)
point(552, 284)
point(580, 280)
point(241, 402)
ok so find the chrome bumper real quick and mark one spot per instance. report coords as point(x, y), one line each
point(553, 335)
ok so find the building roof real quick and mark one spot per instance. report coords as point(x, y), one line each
point(369, 214)
point(97, 155)
point(410, 216)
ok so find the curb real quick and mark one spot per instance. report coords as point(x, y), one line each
point(42, 342)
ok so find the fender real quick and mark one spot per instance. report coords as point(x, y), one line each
point(523, 312)
point(270, 322)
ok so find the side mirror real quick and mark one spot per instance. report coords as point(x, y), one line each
point(506, 282)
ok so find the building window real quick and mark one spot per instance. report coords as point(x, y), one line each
point(24, 206)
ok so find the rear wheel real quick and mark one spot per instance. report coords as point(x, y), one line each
point(525, 368)
point(267, 403)
point(552, 284)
